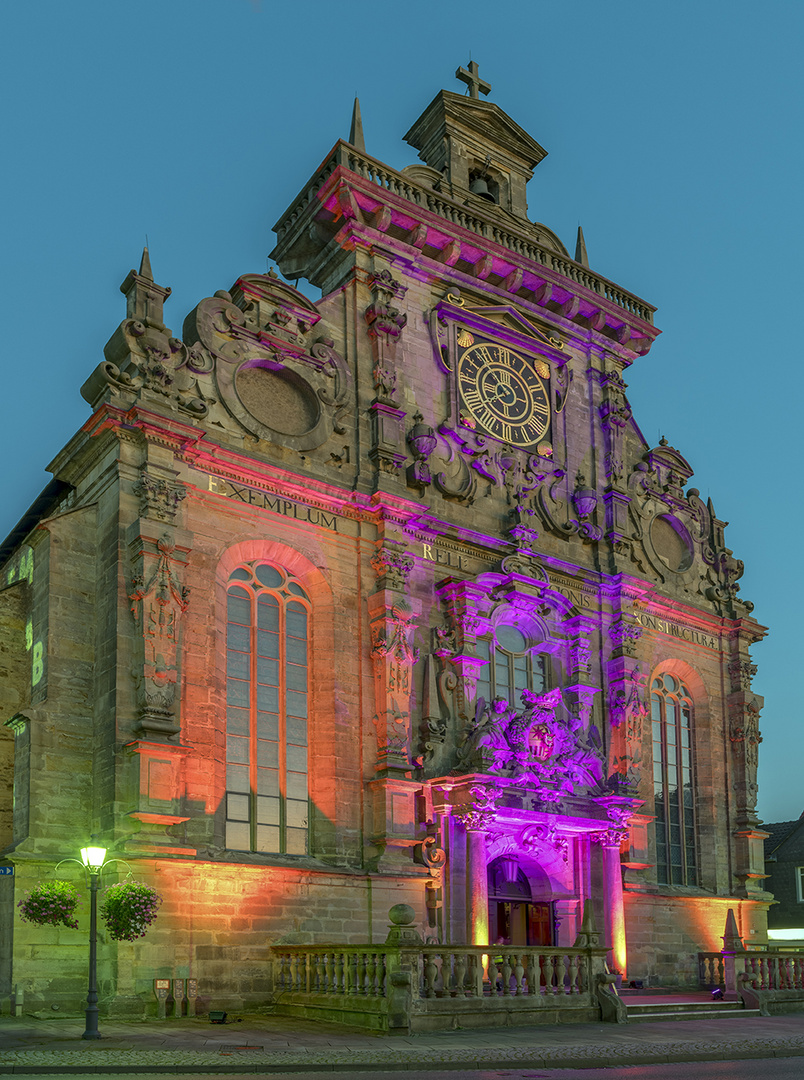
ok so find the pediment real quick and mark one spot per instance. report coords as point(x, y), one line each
point(481, 120)
point(503, 320)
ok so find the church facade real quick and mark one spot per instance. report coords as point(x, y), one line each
point(380, 598)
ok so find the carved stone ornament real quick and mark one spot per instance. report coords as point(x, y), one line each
point(624, 634)
point(535, 838)
point(479, 808)
point(157, 604)
point(394, 640)
point(474, 465)
point(741, 673)
point(568, 516)
point(625, 700)
point(394, 655)
point(431, 854)
point(275, 380)
point(422, 442)
point(610, 837)
point(392, 565)
point(744, 731)
point(615, 415)
point(534, 748)
point(385, 325)
point(142, 361)
point(159, 498)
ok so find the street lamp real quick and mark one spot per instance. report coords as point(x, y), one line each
point(93, 859)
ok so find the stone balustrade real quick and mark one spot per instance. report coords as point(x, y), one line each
point(432, 987)
point(456, 212)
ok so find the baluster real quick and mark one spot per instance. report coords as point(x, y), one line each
point(381, 973)
point(430, 975)
point(460, 974)
point(573, 973)
point(532, 974)
point(544, 966)
point(282, 976)
point(474, 984)
point(506, 974)
point(518, 971)
point(371, 974)
point(328, 973)
point(304, 967)
point(566, 976)
point(556, 986)
point(361, 974)
point(493, 976)
point(354, 987)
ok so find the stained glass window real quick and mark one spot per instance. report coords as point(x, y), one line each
point(673, 781)
point(267, 705)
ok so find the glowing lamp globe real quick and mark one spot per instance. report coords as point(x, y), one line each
point(93, 857)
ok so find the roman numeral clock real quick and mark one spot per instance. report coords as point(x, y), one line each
point(503, 392)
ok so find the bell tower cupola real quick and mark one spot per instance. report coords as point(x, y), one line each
point(477, 147)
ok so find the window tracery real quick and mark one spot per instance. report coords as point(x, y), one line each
point(268, 633)
point(512, 665)
point(673, 779)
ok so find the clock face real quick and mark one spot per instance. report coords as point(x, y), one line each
point(504, 394)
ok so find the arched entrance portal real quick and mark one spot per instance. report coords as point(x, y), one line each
point(515, 918)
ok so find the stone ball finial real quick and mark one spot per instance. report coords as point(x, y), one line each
point(401, 914)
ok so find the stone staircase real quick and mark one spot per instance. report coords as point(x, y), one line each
point(653, 1005)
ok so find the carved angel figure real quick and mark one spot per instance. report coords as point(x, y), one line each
point(487, 730)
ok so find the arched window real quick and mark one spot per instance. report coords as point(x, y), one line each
point(513, 665)
point(674, 795)
point(268, 615)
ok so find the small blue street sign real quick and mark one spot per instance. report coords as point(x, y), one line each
point(6, 870)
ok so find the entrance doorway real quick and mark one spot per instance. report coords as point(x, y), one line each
point(514, 917)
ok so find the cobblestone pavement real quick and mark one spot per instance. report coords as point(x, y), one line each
point(276, 1045)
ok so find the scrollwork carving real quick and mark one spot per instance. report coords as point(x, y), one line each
point(159, 498)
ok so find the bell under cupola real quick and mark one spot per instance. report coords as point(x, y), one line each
point(477, 148)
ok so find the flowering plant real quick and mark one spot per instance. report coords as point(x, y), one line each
point(51, 902)
point(128, 909)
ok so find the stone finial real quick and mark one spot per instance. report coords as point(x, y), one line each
point(588, 935)
point(356, 130)
point(402, 930)
point(732, 942)
point(144, 298)
point(580, 249)
point(145, 265)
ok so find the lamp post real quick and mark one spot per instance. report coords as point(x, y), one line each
point(93, 859)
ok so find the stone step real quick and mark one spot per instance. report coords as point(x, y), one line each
point(725, 1010)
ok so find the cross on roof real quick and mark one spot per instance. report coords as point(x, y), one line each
point(473, 80)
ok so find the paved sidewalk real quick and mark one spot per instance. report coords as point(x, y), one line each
point(268, 1044)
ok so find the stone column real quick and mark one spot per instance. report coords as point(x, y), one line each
point(476, 815)
point(614, 909)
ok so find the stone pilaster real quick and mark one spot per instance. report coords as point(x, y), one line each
point(462, 600)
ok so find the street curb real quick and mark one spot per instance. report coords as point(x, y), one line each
point(595, 1059)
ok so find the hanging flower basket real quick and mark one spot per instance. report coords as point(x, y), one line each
point(128, 909)
point(51, 903)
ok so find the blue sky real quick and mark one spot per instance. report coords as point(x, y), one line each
point(674, 138)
